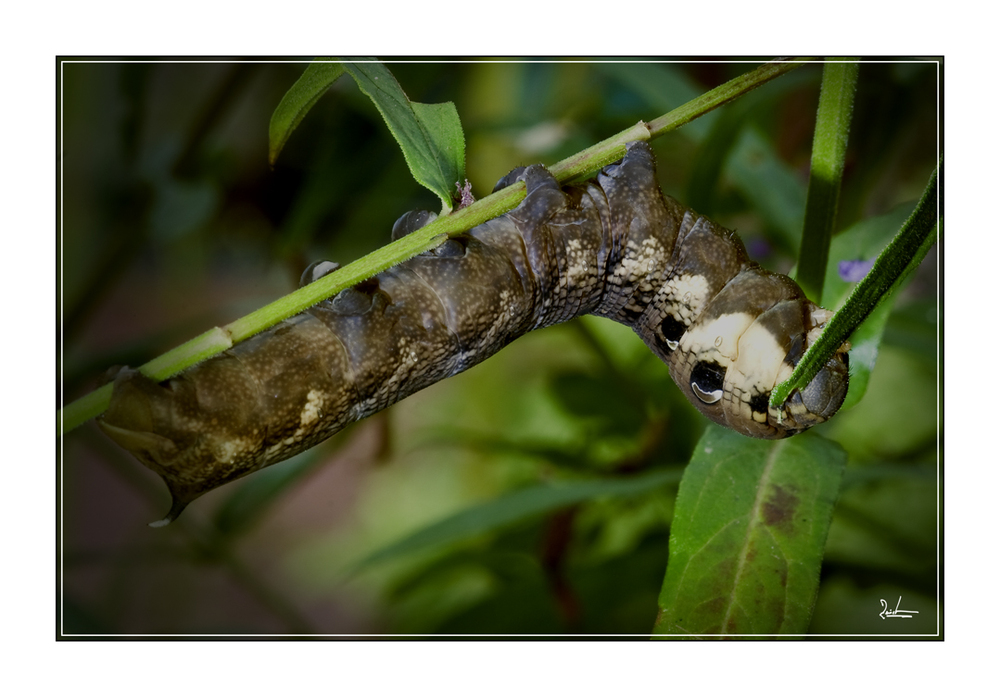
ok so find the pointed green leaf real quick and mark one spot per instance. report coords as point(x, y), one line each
point(297, 102)
point(862, 241)
point(750, 524)
point(890, 270)
point(517, 506)
point(430, 135)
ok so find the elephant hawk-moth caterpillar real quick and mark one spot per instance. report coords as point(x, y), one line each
point(613, 246)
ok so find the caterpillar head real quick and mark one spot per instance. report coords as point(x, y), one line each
point(729, 377)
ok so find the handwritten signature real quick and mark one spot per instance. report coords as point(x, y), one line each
point(887, 612)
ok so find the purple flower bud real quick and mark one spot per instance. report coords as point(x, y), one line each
point(854, 271)
point(465, 195)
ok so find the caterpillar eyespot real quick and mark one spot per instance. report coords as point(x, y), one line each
point(614, 246)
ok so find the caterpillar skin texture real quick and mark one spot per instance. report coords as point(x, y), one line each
point(614, 246)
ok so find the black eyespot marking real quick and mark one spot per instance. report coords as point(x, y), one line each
point(707, 380)
point(672, 330)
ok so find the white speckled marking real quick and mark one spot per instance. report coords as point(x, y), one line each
point(690, 295)
point(312, 410)
point(226, 452)
point(578, 269)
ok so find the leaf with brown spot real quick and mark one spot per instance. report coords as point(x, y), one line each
point(748, 535)
point(779, 506)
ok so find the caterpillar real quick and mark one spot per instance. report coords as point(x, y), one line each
point(614, 246)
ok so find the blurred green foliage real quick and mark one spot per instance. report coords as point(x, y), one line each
point(173, 222)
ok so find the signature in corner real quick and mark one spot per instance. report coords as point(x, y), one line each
point(887, 612)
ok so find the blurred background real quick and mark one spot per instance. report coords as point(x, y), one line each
point(435, 516)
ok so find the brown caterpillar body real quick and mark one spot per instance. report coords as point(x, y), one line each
point(614, 246)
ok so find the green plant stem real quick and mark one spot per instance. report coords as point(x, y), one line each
point(723, 94)
point(607, 151)
point(496, 204)
point(907, 249)
point(833, 124)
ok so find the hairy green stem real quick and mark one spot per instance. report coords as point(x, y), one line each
point(833, 123)
point(723, 94)
point(894, 264)
point(428, 237)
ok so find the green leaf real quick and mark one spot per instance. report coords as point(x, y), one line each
point(430, 135)
point(750, 524)
point(896, 262)
point(515, 507)
point(863, 240)
point(297, 102)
